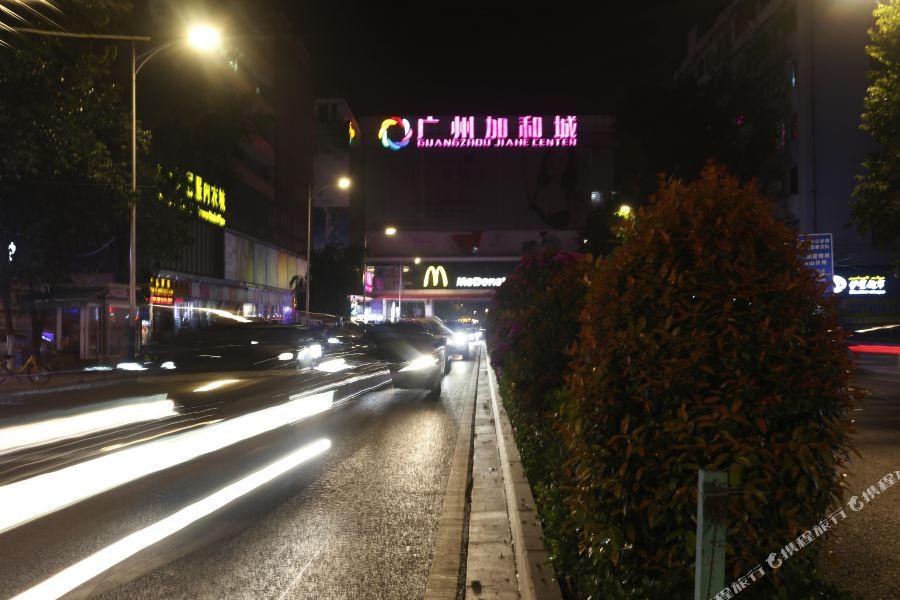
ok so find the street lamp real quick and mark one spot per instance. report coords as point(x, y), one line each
point(204, 37)
point(200, 37)
point(624, 211)
point(342, 183)
point(389, 231)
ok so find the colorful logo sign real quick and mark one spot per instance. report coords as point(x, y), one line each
point(386, 141)
point(435, 274)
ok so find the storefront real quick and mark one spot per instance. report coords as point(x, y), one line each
point(179, 301)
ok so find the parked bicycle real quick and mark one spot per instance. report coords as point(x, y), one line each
point(36, 371)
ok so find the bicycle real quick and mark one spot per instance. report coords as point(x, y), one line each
point(37, 372)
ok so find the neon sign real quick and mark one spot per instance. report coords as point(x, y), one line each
point(161, 291)
point(479, 282)
point(386, 141)
point(490, 132)
point(210, 198)
point(435, 274)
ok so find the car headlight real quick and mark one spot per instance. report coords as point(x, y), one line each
point(460, 339)
point(422, 362)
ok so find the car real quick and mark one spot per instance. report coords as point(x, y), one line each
point(416, 352)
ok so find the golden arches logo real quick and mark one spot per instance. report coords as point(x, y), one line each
point(435, 274)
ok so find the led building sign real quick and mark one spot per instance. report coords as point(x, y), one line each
point(863, 285)
point(210, 199)
point(161, 291)
point(436, 276)
point(479, 282)
point(529, 131)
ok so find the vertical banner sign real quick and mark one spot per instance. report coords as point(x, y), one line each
point(819, 256)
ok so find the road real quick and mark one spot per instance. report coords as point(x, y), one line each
point(862, 554)
point(357, 520)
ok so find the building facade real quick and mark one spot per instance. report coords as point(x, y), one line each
point(809, 60)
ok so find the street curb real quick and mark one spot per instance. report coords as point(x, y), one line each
point(537, 579)
point(446, 577)
point(39, 391)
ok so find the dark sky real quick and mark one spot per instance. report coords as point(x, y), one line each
point(439, 57)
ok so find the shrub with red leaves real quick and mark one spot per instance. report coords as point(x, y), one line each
point(706, 344)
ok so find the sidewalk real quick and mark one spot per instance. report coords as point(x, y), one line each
point(497, 550)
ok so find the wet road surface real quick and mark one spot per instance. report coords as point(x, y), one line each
point(357, 520)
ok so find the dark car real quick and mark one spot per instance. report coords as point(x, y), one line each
point(418, 356)
point(251, 346)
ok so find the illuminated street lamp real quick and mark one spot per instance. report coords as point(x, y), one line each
point(204, 37)
point(344, 183)
point(200, 37)
point(624, 211)
point(389, 231)
point(417, 260)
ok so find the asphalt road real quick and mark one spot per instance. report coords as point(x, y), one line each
point(863, 554)
point(357, 520)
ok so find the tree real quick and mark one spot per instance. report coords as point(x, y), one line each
point(336, 273)
point(877, 206)
point(65, 168)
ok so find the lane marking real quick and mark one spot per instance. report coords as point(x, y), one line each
point(302, 571)
point(84, 570)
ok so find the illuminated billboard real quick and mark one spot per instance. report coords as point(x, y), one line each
point(526, 131)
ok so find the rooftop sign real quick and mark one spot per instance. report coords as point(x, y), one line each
point(528, 131)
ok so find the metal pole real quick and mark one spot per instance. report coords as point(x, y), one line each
point(132, 256)
point(365, 270)
point(308, 246)
point(400, 296)
point(709, 567)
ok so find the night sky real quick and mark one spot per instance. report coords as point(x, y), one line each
point(439, 57)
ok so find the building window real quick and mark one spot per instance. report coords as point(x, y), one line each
point(795, 181)
point(780, 136)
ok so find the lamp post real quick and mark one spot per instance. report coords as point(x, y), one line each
point(389, 231)
point(342, 183)
point(200, 37)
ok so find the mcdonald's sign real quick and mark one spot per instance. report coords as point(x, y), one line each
point(435, 275)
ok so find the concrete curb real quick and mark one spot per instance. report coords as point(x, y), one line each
point(537, 580)
point(445, 575)
point(68, 387)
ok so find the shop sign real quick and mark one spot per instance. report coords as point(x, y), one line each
point(161, 291)
point(479, 282)
point(435, 275)
point(861, 285)
point(210, 200)
point(527, 131)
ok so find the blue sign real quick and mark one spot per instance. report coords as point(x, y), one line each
point(820, 255)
